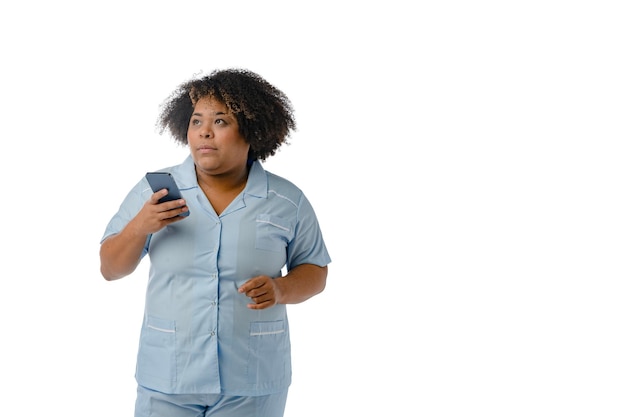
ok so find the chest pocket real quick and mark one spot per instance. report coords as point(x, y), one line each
point(273, 233)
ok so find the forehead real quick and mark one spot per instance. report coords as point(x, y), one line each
point(209, 104)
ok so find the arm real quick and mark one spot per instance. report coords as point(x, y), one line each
point(121, 253)
point(301, 283)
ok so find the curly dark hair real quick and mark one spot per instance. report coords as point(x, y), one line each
point(264, 113)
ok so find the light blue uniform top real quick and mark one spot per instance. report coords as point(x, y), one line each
point(198, 335)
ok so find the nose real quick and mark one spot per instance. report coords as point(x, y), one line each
point(205, 131)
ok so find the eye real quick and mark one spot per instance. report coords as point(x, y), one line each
point(219, 121)
point(195, 122)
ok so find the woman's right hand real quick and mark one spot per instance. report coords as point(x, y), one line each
point(154, 216)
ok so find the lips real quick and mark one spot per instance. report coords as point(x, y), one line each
point(206, 149)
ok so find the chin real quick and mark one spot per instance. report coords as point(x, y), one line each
point(204, 163)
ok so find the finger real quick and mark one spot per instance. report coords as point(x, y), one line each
point(250, 285)
point(261, 306)
point(256, 293)
point(174, 214)
point(172, 205)
point(263, 298)
point(174, 219)
point(158, 195)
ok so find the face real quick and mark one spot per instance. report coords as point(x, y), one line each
point(215, 143)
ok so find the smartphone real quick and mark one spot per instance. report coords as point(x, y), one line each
point(161, 180)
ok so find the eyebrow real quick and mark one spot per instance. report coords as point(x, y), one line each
point(218, 113)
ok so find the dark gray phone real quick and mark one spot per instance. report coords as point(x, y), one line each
point(161, 180)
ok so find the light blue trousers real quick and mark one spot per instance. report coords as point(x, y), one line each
point(156, 404)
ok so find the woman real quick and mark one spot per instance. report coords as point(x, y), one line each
point(215, 335)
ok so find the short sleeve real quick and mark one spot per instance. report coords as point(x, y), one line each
point(132, 203)
point(307, 245)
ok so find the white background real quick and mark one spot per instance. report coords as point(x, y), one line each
point(465, 160)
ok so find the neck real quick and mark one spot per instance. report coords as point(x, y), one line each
point(226, 182)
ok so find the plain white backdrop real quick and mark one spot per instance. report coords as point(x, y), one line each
point(465, 160)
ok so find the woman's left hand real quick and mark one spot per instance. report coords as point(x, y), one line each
point(262, 290)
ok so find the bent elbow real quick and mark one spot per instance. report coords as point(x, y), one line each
point(111, 275)
point(322, 280)
point(107, 275)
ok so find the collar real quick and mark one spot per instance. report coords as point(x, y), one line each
point(256, 184)
point(257, 181)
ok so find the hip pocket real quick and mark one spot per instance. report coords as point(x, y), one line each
point(269, 352)
point(157, 351)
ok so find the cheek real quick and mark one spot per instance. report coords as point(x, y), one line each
point(190, 134)
point(245, 149)
point(239, 143)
